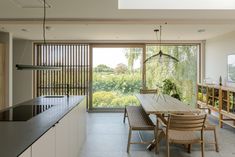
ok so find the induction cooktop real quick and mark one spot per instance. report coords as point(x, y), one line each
point(23, 112)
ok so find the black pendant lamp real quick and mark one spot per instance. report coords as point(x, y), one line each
point(160, 54)
point(39, 67)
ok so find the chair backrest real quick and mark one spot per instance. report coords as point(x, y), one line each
point(148, 91)
point(186, 122)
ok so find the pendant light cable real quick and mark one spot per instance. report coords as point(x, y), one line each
point(160, 54)
point(44, 22)
point(39, 67)
point(160, 42)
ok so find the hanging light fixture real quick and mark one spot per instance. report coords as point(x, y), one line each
point(160, 54)
point(41, 67)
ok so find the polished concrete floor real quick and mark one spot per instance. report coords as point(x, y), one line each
point(107, 137)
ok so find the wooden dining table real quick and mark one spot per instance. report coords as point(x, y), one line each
point(161, 105)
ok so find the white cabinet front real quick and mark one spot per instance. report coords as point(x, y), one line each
point(62, 137)
point(65, 139)
point(26, 153)
point(45, 145)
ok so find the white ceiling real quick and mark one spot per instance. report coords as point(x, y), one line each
point(101, 20)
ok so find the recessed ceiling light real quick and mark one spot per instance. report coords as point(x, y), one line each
point(201, 30)
point(48, 28)
point(24, 30)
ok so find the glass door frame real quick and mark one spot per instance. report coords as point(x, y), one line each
point(200, 64)
point(112, 45)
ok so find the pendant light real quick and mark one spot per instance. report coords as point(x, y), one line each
point(160, 54)
point(39, 67)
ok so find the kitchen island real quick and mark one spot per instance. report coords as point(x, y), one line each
point(64, 120)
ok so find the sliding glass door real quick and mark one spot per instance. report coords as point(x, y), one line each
point(182, 74)
point(116, 77)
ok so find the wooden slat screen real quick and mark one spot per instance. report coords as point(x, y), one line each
point(74, 61)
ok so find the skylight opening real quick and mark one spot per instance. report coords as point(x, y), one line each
point(177, 4)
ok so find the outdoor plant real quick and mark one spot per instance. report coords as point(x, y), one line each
point(170, 88)
point(113, 99)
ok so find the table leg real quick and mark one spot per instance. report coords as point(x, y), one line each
point(156, 134)
point(154, 143)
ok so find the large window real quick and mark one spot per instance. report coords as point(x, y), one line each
point(116, 76)
point(183, 73)
point(117, 71)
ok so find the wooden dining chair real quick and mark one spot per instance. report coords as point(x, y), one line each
point(208, 128)
point(181, 129)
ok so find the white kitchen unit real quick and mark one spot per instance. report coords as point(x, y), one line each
point(64, 139)
point(45, 145)
point(27, 153)
point(77, 125)
point(2, 75)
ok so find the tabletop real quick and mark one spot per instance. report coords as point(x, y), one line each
point(160, 104)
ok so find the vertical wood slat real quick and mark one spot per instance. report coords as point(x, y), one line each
point(42, 73)
point(38, 72)
point(77, 54)
point(63, 72)
point(84, 70)
point(74, 61)
point(73, 87)
point(79, 69)
point(82, 57)
point(87, 72)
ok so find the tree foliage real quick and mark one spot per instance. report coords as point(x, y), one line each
point(183, 73)
point(123, 83)
point(116, 88)
point(121, 68)
point(132, 54)
point(103, 68)
point(113, 99)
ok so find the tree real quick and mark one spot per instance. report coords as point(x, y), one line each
point(121, 68)
point(103, 68)
point(132, 54)
point(231, 72)
point(183, 73)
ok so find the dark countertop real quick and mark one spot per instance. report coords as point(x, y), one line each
point(17, 136)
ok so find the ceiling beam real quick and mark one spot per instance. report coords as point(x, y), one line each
point(113, 21)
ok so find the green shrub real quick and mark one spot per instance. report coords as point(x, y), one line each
point(113, 99)
point(124, 83)
point(102, 98)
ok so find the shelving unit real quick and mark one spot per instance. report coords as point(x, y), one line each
point(202, 96)
point(219, 99)
point(227, 112)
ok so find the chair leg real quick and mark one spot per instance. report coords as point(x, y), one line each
point(209, 111)
point(167, 148)
point(216, 141)
point(155, 140)
point(124, 118)
point(202, 149)
point(129, 140)
point(189, 148)
point(156, 136)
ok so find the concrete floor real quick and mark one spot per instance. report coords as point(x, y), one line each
point(107, 137)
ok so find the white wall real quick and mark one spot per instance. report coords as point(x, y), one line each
point(6, 39)
point(22, 79)
point(217, 50)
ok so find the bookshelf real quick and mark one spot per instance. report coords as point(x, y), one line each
point(220, 99)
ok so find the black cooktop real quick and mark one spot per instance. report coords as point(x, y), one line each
point(23, 112)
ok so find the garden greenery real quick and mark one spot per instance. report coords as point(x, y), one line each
point(115, 87)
